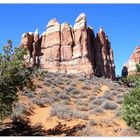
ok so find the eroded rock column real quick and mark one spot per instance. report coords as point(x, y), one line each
point(81, 56)
point(66, 47)
point(51, 51)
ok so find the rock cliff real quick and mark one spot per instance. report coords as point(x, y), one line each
point(134, 59)
point(63, 49)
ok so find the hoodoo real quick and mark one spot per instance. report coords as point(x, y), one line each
point(76, 50)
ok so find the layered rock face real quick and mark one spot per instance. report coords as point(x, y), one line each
point(134, 59)
point(31, 42)
point(76, 50)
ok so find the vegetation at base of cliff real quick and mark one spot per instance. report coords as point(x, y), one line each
point(138, 67)
point(13, 77)
point(131, 103)
point(131, 80)
point(131, 108)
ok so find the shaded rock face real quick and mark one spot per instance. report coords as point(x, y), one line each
point(134, 59)
point(31, 42)
point(76, 50)
point(104, 59)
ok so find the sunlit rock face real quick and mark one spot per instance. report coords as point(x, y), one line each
point(134, 59)
point(73, 50)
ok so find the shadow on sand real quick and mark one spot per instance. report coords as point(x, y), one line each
point(24, 128)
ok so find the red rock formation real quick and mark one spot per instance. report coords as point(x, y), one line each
point(71, 50)
point(66, 42)
point(51, 52)
point(81, 55)
point(104, 60)
point(134, 59)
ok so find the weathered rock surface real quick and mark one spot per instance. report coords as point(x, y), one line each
point(134, 59)
point(76, 50)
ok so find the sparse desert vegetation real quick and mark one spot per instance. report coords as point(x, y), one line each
point(82, 106)
point(70, 101)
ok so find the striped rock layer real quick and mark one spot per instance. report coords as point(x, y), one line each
point(63, 49)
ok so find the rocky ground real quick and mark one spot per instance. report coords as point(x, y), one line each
point(69, 105)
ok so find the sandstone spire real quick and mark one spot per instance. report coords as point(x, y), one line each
point(76, 50)
point(66, 42)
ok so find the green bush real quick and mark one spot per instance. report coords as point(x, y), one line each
point(131, 80)
point(131, 108)
point(138, 67)
point(13, 76)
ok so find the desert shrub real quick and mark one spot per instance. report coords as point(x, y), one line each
point(51, 98)
point(73, 84)
point(44, 93)
point(52, 87)
point(131, 80)
point(82, 108)
point(65, 112)
point(96, 87)
point(48, 82)
point(49, 75)
point(77, 96)
point(58, 81)
point(92, 106)
point(121, 89)
point(55, 91)
point(39, 74)
point(98, 101)
point(89, 131)
point(74, 91)
point(18, 111)
point(30, 95)
point(61, 111)
point(63, 96)
point(107, 95)
point(97, 110)
point(64, 102)
point(14, 75)
point(92, 97)
point(62, 87)
point(131, 108)
point(70, 88)
point(86, 88)
point(138, 67)
point(81, 78)
point(64, 75)
point(46, 101)
point(119, 96)
point(79, 115)
point(107, 122)
point(92, 122)
point(70, 76)
point(114, 93)
point(81, 102)
point(109, 105)
point(118, 112)
point(119, 99)
point(87, 82)
point(40, 102)
point(67, 81)
point(83, 95)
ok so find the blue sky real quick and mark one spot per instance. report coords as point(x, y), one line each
point(120, 22)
